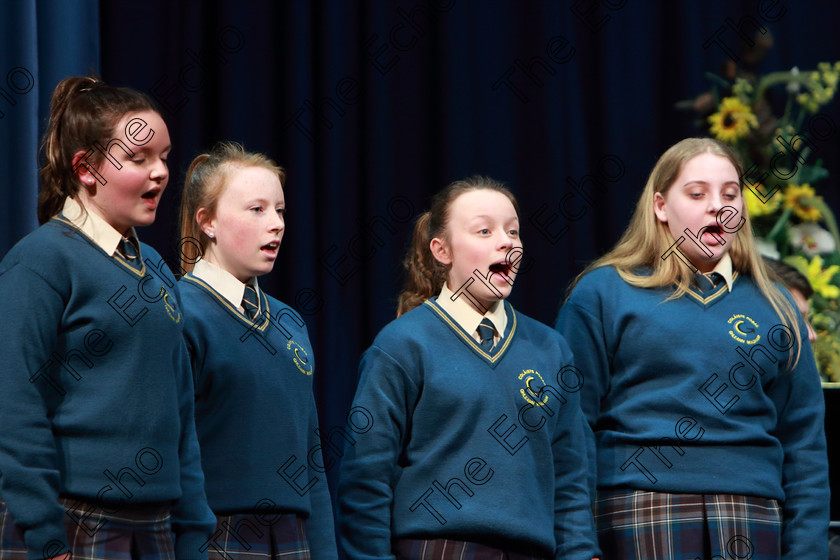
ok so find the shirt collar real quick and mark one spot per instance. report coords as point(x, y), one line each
point(228, 286)
point(724, 268)
point(95, 227)
point(466, 315)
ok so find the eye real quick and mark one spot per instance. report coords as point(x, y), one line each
point(256, 209)
point(484, 231)
point(281, 212)
point(138, 159)
point(695, 194)
point(514, 233)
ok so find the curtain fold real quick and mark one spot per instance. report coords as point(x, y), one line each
point(43, 42)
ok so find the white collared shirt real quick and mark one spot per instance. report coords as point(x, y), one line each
point(468, 318)
point(94, 226)
point(724, 268)
point(228, 286)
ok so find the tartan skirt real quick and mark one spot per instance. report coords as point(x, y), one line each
point(636, 524)
point(131, 533)
point(444, 549)
point(246, 536)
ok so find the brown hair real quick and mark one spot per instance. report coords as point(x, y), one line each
point(83, 110)
point(647, 239)
point(426, 274)
point(204, 185)
point(789, 277)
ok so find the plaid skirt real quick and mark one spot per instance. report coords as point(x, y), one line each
point(131, 533)
point(444, 549)
point(246, 536)
point(635, 524)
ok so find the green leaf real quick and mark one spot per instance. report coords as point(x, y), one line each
point(811, 174)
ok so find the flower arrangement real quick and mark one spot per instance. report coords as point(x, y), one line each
point(791, 221)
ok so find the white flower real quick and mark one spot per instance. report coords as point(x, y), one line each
point(812, 239)
point(767, 248)
point(793, 87)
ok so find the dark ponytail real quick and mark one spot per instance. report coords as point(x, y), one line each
point(426, 274)
point(83, 110)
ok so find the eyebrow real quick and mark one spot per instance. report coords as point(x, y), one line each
point(147, 149)
point(486, 217)
point(706, 183)
point(264, 201)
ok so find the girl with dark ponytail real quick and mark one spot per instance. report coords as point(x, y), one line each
point(98, 448)
point(449, 391)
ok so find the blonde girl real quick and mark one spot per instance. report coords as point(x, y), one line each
point(701, 386)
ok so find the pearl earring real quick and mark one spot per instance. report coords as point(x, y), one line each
point(210, 235)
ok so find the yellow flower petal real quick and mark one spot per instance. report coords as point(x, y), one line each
point(732, 121)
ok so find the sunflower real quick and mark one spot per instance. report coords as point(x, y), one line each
point(796, 197)
point(732, 121)
point(755, 206)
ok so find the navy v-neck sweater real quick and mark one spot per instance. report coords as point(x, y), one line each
point(467, 445)
point(696, 395)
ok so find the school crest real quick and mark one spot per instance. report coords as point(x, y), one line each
point(299, 357)
point(533, 384)
point(743, 329)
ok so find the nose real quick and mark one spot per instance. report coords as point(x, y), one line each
point(506, 241)
point(715, 202)
point(159, 172)
point(278, 223)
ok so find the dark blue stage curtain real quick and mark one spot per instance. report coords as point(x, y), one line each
point(374, 105)
point(42, 42)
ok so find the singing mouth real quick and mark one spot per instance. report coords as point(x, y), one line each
point(502, 267)
point(151, 193)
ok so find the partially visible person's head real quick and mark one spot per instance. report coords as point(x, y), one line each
point(798, 286)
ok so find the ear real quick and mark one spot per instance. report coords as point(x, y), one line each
point(81, 168)
point(659, 207)
point(206, 222)
point(440, 251)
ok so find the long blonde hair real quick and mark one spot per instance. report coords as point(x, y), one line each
point(638, 255)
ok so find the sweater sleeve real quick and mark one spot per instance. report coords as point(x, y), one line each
point(31, 312)
point(320, 528)
point(585, 334)
point(192, 520)
point(370, 468)
point(574, 529)
point(800, 429)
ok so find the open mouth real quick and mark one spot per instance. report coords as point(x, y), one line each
point(151, 193)
point(271, 248)
point(713, 233)
point(503, 268)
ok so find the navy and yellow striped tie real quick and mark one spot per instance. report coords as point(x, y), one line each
point(129, 253)
point(485, 332)
point(251, 302)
